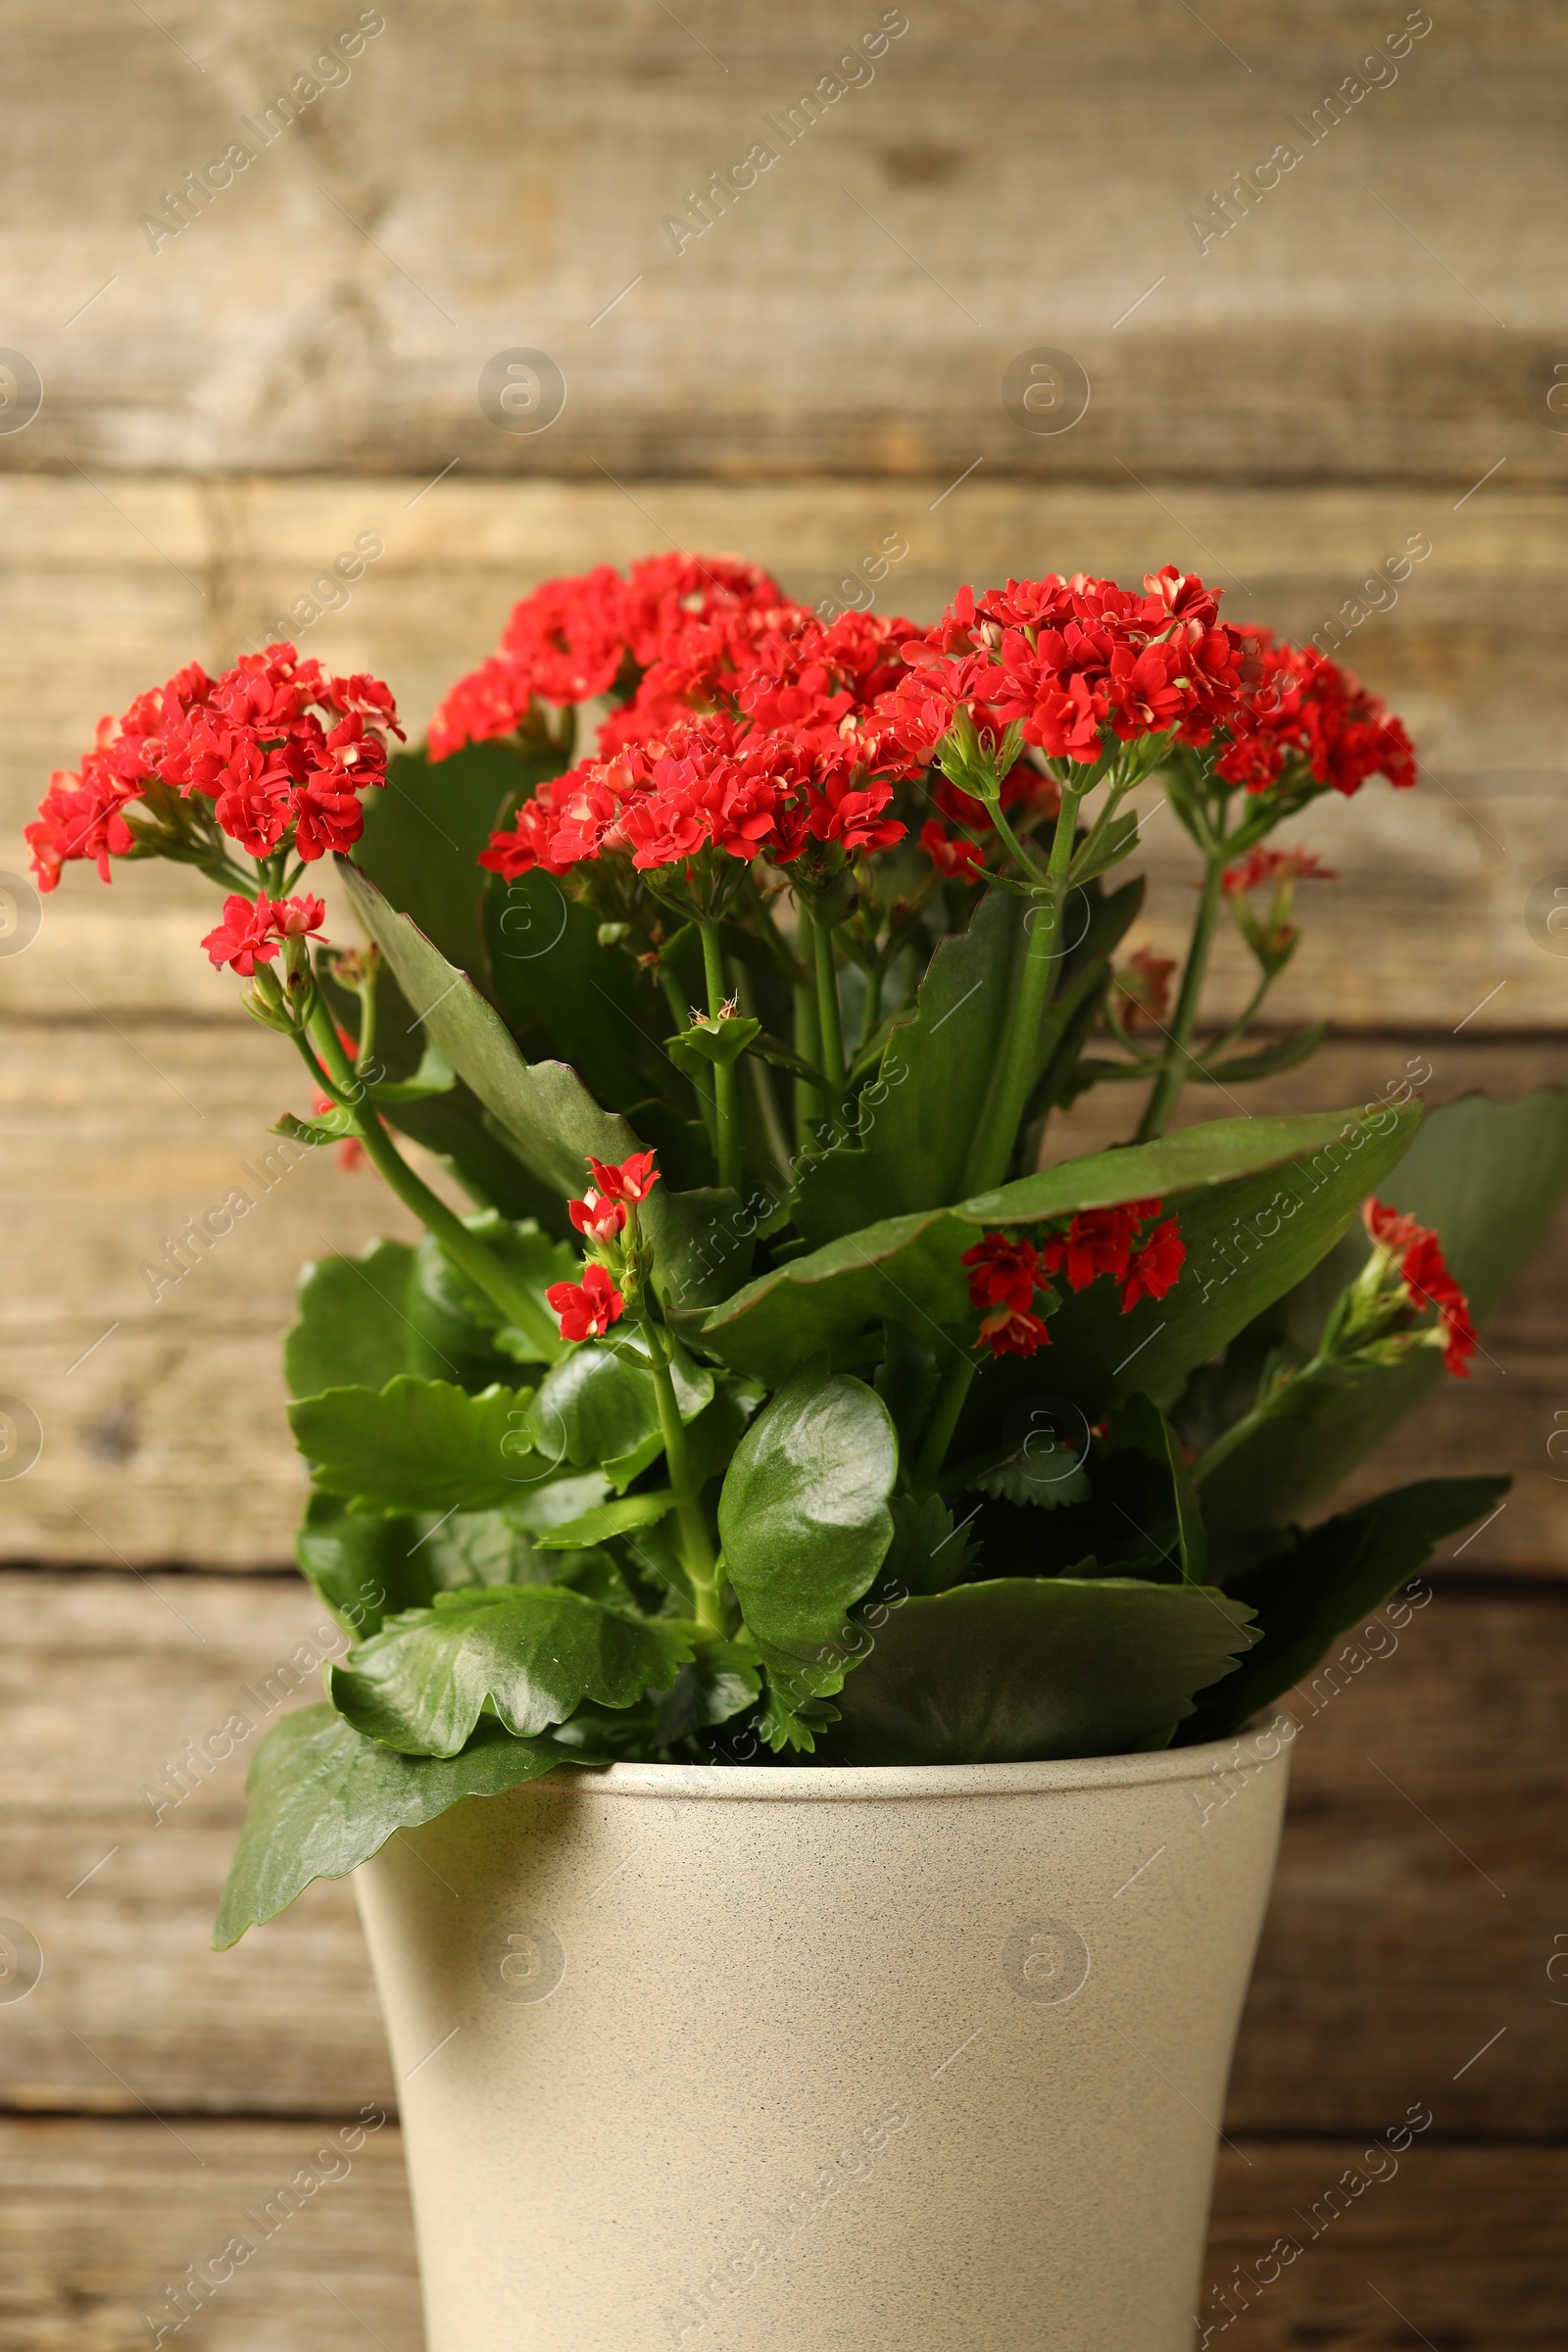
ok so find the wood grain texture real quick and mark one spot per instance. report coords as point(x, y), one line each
point(101, 2219)
point(164, 1431)
point(496, 179)
point(1418, 1899)
point(97, 599)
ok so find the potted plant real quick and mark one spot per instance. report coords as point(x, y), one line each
point(815, 1570)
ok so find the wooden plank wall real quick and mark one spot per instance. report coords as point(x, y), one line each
point(1365, 354)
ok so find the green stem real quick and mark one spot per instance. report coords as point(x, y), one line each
point(1042, 964)
point(874, 978)
point(1165, 1092)
point(725, 1094)
point(778, 1142)
point(1268, 1408)
point(829, 1019)
point(466, 1249)
point(810, 1106)
point(702, 1087)
point(696, 1549)
point(944, 1421)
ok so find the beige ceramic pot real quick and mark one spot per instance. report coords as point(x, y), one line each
point(920, 2060)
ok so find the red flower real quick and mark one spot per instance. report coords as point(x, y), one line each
point(1301, 710)
point(1002, 1272)
point(1144, 985)
point(633, 1180)
point(1007, 1331)
point(1425, 1274)
point(80, 817)
point(1260, 866)
point(586, 1309)
point(1154, 1265)
point(960, 860)
point(1098, 1240)
point(599, 1220)
point(250, 935)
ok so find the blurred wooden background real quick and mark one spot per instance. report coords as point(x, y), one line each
point(1367, 353)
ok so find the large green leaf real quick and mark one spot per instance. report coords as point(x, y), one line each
point(464, 1331)
point(1330, 1576)
point(1034, 1667)
point(1488, 1177)
point(423, 834)
point(353, 1327)
point(527, 1654)
point(1222, 1178)
point(566, 998)
point(323, 1799)
point(598, 1405)
point(805, 1523)
point(365, 1569)
point(545, 1108)
point(421, 1445)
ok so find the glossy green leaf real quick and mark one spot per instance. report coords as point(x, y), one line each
point(805, 1524)
point(564, 998)
point(353, 1327)
point(604, 1520)
point(434, 1075)
point(1226, 1176)
point(598, 1405)
point(1488, 1177)
point(544, 1107)
point(421, 1445)
point(423, 834)
point(462, 1332)
point(365, 1569)
point(529, 1654)
point(721, 1682)
point(1027, 1668)
point(1330, 1577)
point(323, 1799)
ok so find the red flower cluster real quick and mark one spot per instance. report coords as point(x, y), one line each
point(278, 747)
point(1005, 1273)
point(589, 1307)
point(1300, 709)
point(1425, 1275)
point(1073, 661)
point(576, 638)
point(250, 935)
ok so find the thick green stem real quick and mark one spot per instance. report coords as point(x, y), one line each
point(696, 1549)
point(767, 1110)
point(702, 1086)
point(465, 1250)
point(871, 1018)
point(1037, 981)
point(810, 1106)
point(944, 1421)
point(829, 1020)
point(1165, 1093)
point(726, 1099)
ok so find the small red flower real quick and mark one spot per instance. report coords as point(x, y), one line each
point(596, 1219)
point(1424, 1272)
point(1144, 985)
point(1260, 866)
point(1007, 1331)
point(633, 1180)
point(960, 860)
point(1002, 1272)
point(250, 935)
point(1154, 1266)
point(586, 1309)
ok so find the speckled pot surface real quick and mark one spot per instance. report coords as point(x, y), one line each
point(922, 2060)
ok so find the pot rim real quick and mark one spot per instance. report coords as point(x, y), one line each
point(1260, 1744)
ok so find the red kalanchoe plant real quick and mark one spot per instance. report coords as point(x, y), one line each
point(744, 1000)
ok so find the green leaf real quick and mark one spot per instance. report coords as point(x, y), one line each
point(607, 1519)
point(598, 1405)
point(1488, 1177)
point(1268, 1061)
point(463, 1330)
point(1118, 841)
point(366, 1570)
point(423, 834)
point(564, 998)
point(805, 1524)
point(1029, 1668)
point(900, 1157)
point(722, 1680)
point(433, 1076)
point(527, 1654)
point(421, 1445)
point(1330, 1576)
point(1139, 1423)
point(323, 1799)
point(544, 1107)
point(907, 1270)
point(334, 1126)
point(353, 1329)
point(713, 1043)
